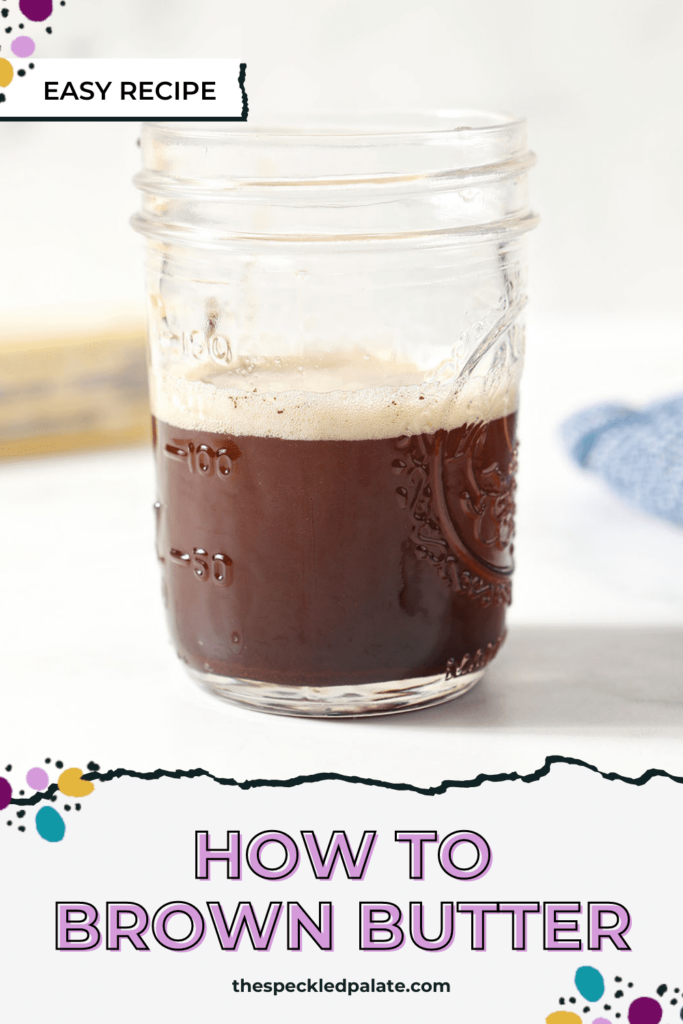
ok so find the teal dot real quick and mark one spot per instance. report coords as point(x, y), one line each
point(590, 983)
point(50, 824)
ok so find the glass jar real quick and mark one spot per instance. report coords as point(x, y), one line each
point(336, 340)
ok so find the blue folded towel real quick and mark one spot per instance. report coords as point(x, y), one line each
point(640, 454)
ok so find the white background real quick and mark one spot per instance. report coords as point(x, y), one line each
point(87, 670)
point(600, 83)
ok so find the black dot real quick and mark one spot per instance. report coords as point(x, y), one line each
point(92, 767)
point(607, 1006)
point(21, 26)
point(8, 29)
point(21, 72)
point(2, 97)
point(31, 66)
point(618, 1015)
point(77, 806)
point(661, 990)
point(5, 12)
point(561, 1000)
point(586, 1009)
point(21, 828)
point(8, 767)
point(630, 984)
point(618, 994)
point(59, 764)
point(53, 798)
point(9, 822)
point(673, 1002)
point(571, 999)
point(617, 979)
point(676, 990)
point(21, 792)
point(20, 814)
point(62, 3)
point(49, 31)
point(47, 760)
point(67, 807)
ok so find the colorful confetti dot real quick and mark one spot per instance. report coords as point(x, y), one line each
point(36, 10)
point(644, 1011)
point(37, 778)
point(6, 72)
point(563, 1017)
point(590, 983)
point(601, 1020)
point(50, 824)
point(71, 784)
point(5, 793)
point(23, 46)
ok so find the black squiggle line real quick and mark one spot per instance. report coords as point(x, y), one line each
point(400, 787)
point(245, 100)
point(46, 794)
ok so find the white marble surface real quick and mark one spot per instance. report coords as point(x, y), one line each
point(593, 667)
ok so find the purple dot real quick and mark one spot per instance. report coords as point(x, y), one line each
point(37, 778)
point(23, 46)
point(36, 10)
point(5, 793)
point(644, 1011)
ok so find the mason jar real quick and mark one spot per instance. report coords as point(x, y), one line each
point(336, 339)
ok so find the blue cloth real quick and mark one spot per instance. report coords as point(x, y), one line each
point(639, 453)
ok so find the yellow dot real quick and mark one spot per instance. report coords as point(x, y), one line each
point(6, 72)
point(563, 1017)
point(71, 784)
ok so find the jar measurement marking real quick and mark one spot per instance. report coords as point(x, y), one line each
point(218, 567)
point(198, 346)
point(202, 459)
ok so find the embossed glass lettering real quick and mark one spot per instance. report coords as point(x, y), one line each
point(460, 494)
point(221, 572)
point(201, 459)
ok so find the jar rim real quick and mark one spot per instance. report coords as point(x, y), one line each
point(346, 126)
point(389, 175)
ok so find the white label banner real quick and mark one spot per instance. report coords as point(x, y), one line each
point(134, 89)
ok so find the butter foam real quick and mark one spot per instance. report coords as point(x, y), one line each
point(351, 401)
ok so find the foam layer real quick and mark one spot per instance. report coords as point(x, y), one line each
point(380, 410)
